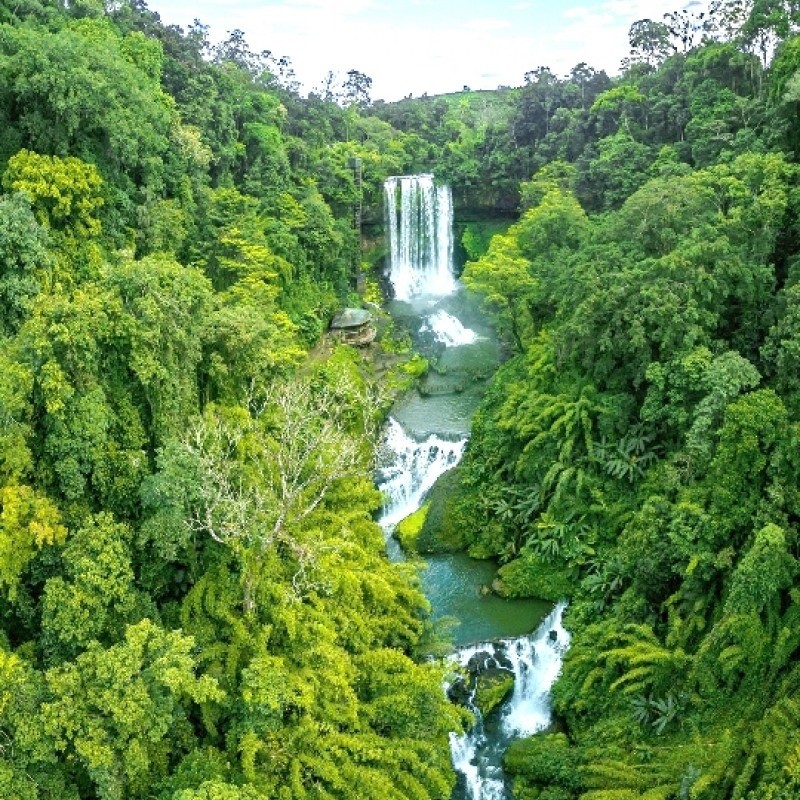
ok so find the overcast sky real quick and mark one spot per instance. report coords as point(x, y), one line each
point(417, 47)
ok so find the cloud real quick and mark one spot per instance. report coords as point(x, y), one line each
point(410, 47)
point(485, 24)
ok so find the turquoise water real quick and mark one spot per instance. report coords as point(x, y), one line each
point(455, 585)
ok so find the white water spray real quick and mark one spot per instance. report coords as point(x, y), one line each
point(411, 468)
point(420, 223)
point(448, 330)
point(535, 662)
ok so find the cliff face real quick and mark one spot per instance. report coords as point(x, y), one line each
point(484, 202)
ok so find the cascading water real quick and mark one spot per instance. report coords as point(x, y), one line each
point(448, 329)
point(534, 661)
point(419, 218)
point(410, 468)
point(419, 222)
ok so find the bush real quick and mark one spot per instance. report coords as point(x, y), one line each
point(548, 762)
point(529, 576)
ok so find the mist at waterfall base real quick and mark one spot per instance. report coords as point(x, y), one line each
point(425, 437)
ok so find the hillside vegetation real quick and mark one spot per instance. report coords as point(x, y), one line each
point(194, 599)
point(639, 451)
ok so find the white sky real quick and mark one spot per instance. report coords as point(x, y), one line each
point(417, 47)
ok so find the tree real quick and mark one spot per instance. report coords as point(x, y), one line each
point(233, 243)
point(356, 89)
point(121, 712)
point(502, 276)
point(684, 26)
point(590, 82)
point(766, 570)
point(162, 314)
point(29, 521)
point(25, 261)
point(744, 472)
point(255, 480)
point(621, 104)
point(94, 597)
point(236, 51)
point(649, 41)
point(782, 347)
point(65, 195)
point(618, 169)
point(768, 22)
point(83, 92)
point(784, 89)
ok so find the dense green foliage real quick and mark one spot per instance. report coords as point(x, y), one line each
point(194, 598)
point(639, 451)
point(195, 601)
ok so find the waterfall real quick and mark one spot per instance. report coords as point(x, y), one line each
point(408, 469)
point(448, 330)
point(535, 661)
point(419, 219)
point(420, 224)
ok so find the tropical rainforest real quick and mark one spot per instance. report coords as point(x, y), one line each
point(195, 601)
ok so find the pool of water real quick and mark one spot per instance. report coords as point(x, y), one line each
point(456, 585)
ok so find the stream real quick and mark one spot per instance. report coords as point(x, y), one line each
point(425, 436)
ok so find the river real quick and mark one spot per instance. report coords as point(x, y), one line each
point(425, 436)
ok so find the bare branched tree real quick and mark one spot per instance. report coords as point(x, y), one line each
point(260, 475)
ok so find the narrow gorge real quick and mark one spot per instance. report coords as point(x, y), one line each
point(517, 641)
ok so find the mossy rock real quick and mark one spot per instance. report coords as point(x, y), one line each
point(404, 373)
point(455, 522)
point(439, 534)
point(492, 688)
point(416, 366)
point(408, 529)
point(528, 576)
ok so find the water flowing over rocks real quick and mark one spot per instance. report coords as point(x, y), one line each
point(408, 467)
point(506, 682)
point(534, 661)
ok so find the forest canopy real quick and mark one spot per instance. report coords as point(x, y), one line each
point(195, 600)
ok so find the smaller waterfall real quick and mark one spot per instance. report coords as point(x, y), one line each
point(535, 661)
point(420, 223)
point(448, 330)
point(410, 468)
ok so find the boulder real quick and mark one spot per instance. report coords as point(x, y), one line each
point(492, 687)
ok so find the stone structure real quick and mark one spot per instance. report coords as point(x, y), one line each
point(353, 326)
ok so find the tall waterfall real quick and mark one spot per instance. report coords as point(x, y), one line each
point(419, 218)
